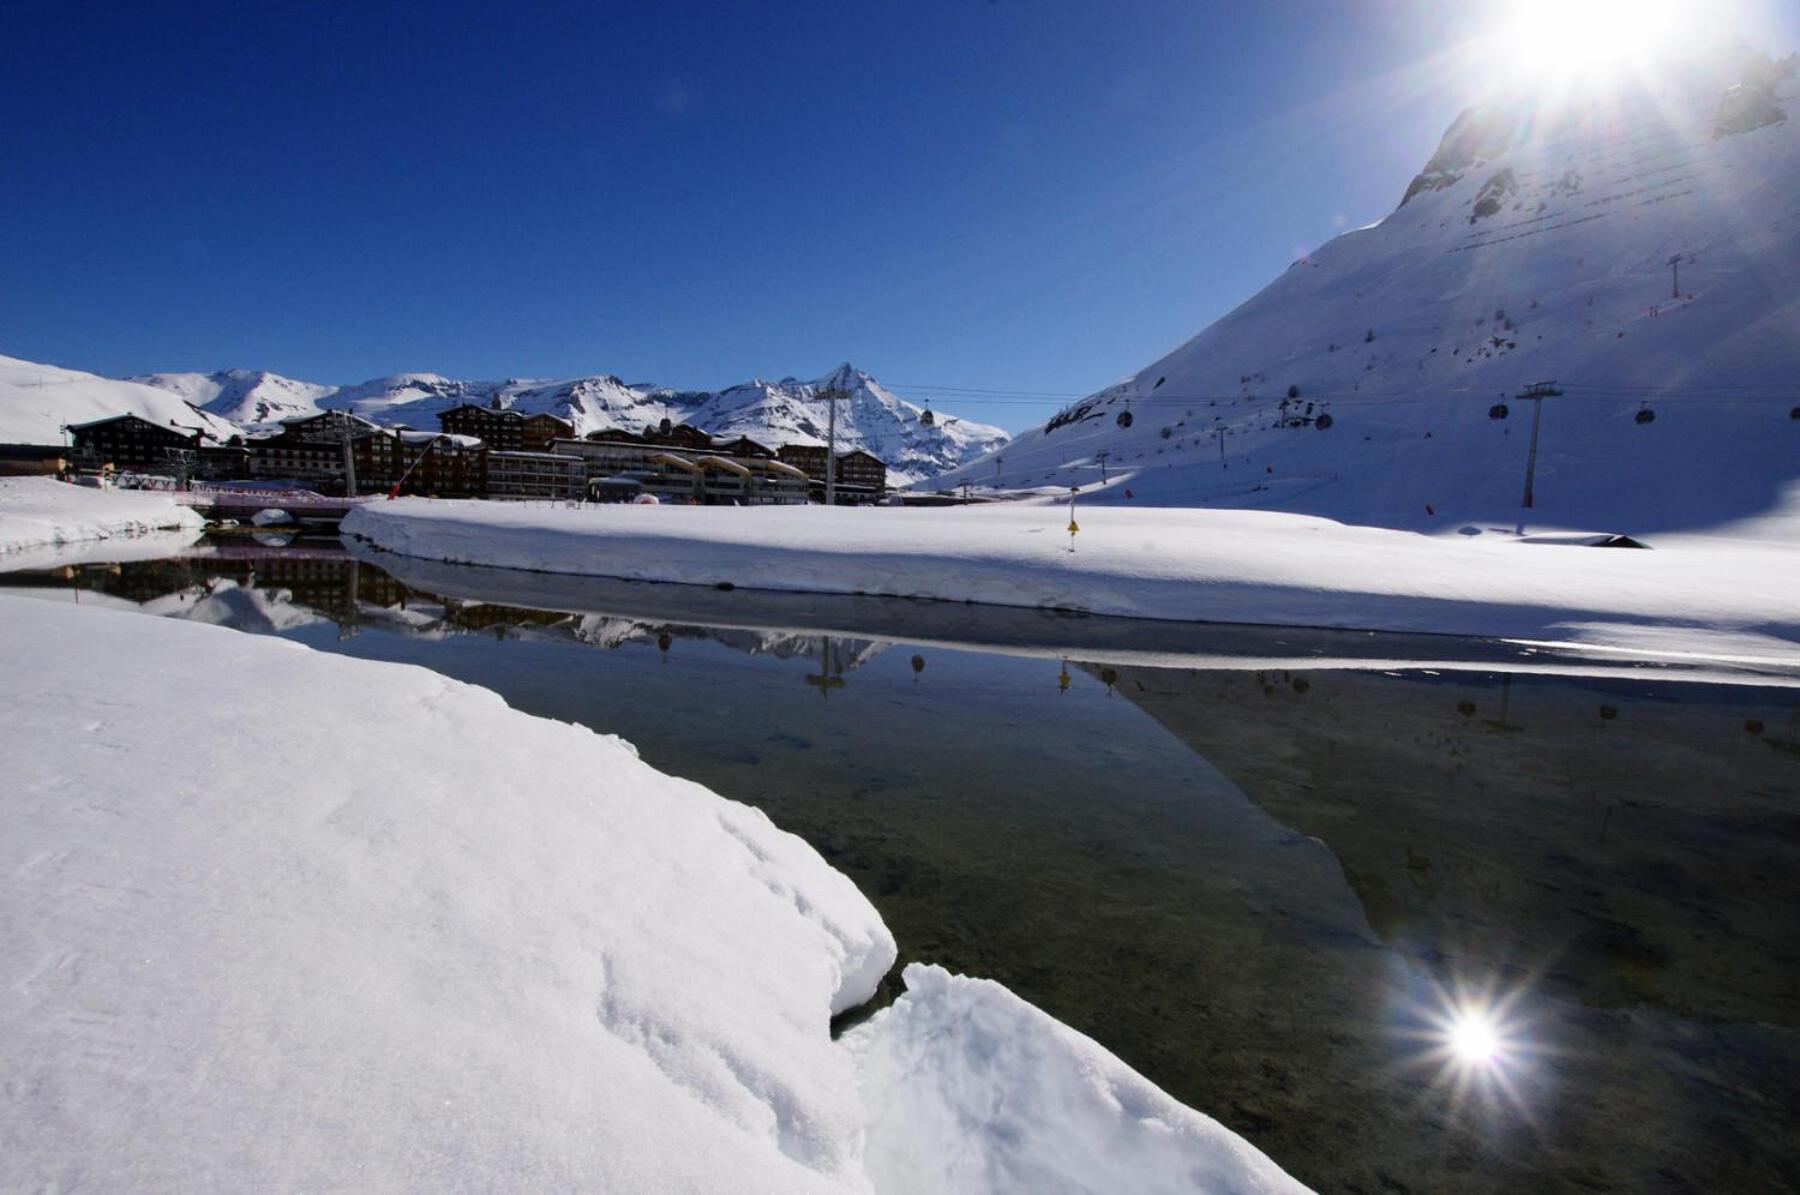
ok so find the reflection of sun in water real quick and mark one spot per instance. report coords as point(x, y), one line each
point(1474, 1045)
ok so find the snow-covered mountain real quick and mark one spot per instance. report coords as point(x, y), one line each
point(789, 411)
point(36, 401)
point(1377, 380)
point(870, 417)
point(254, 399)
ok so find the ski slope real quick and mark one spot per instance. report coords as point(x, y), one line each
point(1536, 246)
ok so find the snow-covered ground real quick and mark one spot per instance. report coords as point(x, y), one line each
point(1058, 1113)
point(1713, 598)
point(279, 919)
point(38, 515)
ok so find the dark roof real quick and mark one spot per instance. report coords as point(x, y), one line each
point(31, 452)
point(75, 427)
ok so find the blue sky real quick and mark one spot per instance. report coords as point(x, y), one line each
point(1017, 195)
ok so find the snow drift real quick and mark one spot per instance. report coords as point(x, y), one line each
point(41, 512)
point(1720, 599)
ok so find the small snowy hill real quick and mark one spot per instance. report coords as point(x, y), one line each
point(1536, 245)
point(254, 399)
point(36, 401)
point(789, 411)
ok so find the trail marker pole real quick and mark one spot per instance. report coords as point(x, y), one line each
point(1073, 525)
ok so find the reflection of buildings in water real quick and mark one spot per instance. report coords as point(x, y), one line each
point(1498, 823)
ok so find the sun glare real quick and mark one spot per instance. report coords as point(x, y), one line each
point(1572, 40)
point(1473, 1038)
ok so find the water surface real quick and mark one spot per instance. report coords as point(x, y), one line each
point(1261, 881)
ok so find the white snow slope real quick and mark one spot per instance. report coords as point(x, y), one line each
point(789, 411)
point(254, 399)
point(1534, 247)
point(40, 512)
point(1713, 598)
point(418, 940)
point(1058, 1112)
point(37, 400)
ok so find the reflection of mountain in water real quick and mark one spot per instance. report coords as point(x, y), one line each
point(1639, 850)
point(268, 592)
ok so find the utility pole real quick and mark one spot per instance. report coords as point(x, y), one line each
point(1537, 392)
point(832, 395)
point(1674, 263)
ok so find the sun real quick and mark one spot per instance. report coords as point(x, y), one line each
point(1589, 40)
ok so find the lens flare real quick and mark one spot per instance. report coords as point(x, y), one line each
point(1473, 1038)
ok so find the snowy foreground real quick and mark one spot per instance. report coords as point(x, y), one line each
point(396, 935)
point(1717, 599)
point(40, 513)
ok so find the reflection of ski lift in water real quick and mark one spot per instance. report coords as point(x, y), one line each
point(1644, 414)
point(1124, 419)
point(926, 417)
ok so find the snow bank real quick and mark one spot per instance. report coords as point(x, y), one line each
point(412, 939)
point(1016, 1101)
point(1198, 565)
point(41, 512)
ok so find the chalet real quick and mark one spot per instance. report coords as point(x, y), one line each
point(434, 463)
point(861, 471)
point(539, 431)
point(861, 476)
point(506, 431)
point(808, 458)
point(311, 449)
point(498, 429)
point(130, 442)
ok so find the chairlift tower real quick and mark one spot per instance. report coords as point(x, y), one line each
point(1537, 392)
point(832, 396)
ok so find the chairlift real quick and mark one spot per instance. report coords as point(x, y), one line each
point(1498, 411)
point(1322, 422)
point(1645, 415)
point(1124, 419)
point(926, 417)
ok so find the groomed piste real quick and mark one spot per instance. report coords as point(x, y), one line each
point(414, 939)
point(1725, 599)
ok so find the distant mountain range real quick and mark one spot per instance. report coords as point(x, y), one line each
point(1639, 245)
point(784, 412)
point(36, 401)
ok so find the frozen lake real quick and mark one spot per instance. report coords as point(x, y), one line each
point(1281, 873)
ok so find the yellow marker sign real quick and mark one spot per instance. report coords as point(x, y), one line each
point(1074, 526)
